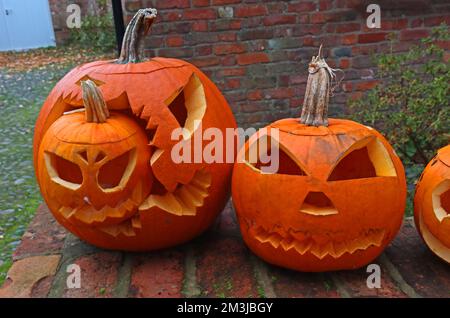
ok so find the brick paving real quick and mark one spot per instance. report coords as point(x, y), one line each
point(216, 264)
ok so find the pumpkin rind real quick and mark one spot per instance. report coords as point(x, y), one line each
point(432, 204)
point(337, 198)
point(144, 89)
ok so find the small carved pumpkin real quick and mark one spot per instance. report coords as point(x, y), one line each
point(338, 195)
point(94, 169)
point(432, 204)
point(162, 95)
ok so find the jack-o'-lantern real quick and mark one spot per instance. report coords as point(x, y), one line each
point(432, 204)
point(162, 95)
point(335, 197)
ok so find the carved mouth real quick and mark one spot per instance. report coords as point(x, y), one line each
point(91, 216)
point(303, 242)
point(185, 199)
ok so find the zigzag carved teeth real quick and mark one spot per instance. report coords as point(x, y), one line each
point(318, 245)
point(185, 199)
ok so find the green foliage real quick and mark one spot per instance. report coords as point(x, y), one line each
point(411, 103)
point(97, 31)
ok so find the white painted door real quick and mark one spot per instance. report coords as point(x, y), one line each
point(25, 24)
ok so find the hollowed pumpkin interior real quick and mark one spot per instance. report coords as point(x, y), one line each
point(441, 200)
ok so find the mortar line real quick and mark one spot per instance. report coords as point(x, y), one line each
point(190, 287)
point(123, 277)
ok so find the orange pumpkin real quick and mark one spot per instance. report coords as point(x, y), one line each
point(162, 94)
point(432, 204)
point(337, 196)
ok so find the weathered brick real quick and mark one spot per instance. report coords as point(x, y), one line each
point(372, 37)
point(414, 34)
point(158, 275)
point(279, 19)
point(99, 275)
point(205, 61)
point(250, 11)
point(172, 4)
point(255, 34)
point(252, 58)
point(283, 43)
point(224, 268)
point(223, 49)
point(201, 3)
point(303, 6)
point(200, 14)
point(342, 51)
point(174, 41)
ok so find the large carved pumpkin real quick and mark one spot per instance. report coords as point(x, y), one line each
point(338, 195)
point(432, 204)
point(161, 95)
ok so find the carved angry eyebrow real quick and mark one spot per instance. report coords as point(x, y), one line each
point(366, 158)
point(265, 150)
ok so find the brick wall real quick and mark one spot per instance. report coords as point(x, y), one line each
point(257, 51)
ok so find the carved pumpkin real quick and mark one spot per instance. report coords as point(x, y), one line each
point(432, 204)
point(338, 195)
point(162, 94)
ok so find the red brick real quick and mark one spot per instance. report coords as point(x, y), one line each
point(434, 21)
point(279, 93)
point(250, 11)
point(279, 19)
point(231, 72)
point(372, 37)
point(325, 5)
point(255, 95)
point(223, 49)
point(414, 34)
point(228, 60)
point(43, 236)
point(175, 41)
point(363, 86)
point(349, 39)
point(171, 4)
point(200, 3)
point(252, 58)
point(348, 27)
point(224, 268)
point(200, 26)
point(302, 6)
point(344, 63)
point(355, 283)
point(232, 83)
point(222, 2)
point(394, 24)
point(98, 275)
point(200, 14)
point(205, 61)
point(203, 50)
point(158, 275)
point(227, 37)
point(416, 23)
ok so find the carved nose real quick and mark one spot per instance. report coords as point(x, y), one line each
point(317, 203)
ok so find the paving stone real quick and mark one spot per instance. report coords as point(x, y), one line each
point(25, 275)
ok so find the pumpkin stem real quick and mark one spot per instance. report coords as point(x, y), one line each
point(318, 89)
point(139, 26)
point(94, 104)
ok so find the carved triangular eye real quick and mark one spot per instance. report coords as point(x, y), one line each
point(365, 159)
point(63, 171)
point(100, 156)
point(273, 160)
point(116, 172)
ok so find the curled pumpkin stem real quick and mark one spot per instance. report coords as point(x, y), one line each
point(318, 90)
point(94, 103)
point(137, 29)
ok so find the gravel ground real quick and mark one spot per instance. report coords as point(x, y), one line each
point(21, 96)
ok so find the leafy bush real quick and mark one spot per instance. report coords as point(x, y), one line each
point(97, 30)
point(411, 103)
